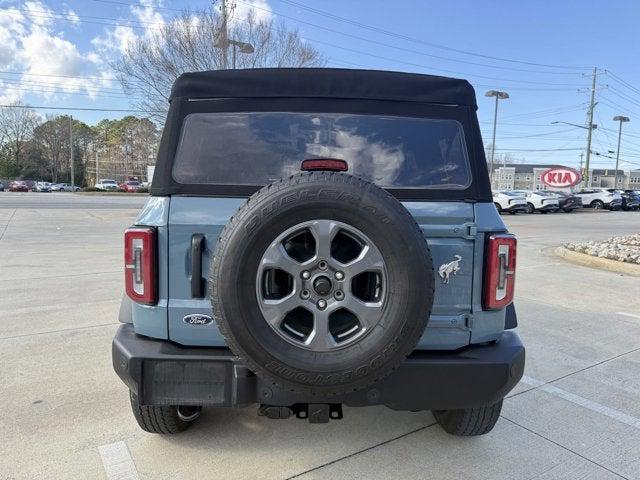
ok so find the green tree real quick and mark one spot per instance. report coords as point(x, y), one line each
point(17, 122)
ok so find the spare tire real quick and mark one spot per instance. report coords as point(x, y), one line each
point(322, 283)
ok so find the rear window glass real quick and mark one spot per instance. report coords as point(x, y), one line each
point(259, 148)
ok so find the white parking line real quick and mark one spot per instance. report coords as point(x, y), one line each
point(117, 462)
point(583, 402)
point(625, 314)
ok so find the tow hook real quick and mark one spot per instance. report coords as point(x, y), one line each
point(314, 412)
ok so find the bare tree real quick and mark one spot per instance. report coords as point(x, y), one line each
point(192, 42)
point(17, 122)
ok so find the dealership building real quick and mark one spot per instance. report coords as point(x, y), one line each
point(528, 176)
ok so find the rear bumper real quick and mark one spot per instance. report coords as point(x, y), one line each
point(163, 373)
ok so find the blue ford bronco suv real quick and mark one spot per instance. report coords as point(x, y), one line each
point(317, 238)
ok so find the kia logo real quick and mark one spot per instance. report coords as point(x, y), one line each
point(197, 319)
point(561, 177)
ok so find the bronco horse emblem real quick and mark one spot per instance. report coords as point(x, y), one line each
point(447, 269)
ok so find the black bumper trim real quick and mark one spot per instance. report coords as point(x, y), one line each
point(516, 208)
point(163, 373)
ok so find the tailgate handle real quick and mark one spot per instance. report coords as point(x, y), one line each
point(197, 245)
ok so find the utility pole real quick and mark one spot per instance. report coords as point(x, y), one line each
point(97, 167)
point(581, 155)
point(587, 178)
point(73, 180)
point(621, 119)
point(224, 35)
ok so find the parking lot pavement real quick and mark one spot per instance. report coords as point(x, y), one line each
point(65, 413)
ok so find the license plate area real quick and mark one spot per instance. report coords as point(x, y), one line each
point(179, 382)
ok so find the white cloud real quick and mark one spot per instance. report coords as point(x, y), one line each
point(261, 10)
point(11, 30)
point(115, 41)
point(147, 14)
point(73, 17)
point(50, 64)
point(39, 13)
point(118, 39)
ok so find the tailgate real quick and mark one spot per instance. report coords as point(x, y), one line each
point(448, 226)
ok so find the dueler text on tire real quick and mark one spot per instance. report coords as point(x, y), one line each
point(322, 283)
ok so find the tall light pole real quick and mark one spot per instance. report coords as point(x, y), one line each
point(499, 96)
point(622, 119)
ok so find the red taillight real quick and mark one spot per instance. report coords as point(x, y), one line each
point(500, 271)
point(330, 164)
point(140, 264)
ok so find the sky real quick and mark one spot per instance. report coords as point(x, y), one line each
point(542, 53)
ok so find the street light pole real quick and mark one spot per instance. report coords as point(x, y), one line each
point(499, 96)
point(622, 119)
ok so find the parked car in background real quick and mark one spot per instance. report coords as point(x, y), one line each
point(107, 185)
point(511, 202)
point(130, 186)
point(599, 198)
point(568, 202)
point(65, 187)
point(630, 200)
point(41, 187)
point(18, 186)
point(540, 201)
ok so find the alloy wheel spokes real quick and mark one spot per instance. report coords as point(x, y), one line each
point(321, 285)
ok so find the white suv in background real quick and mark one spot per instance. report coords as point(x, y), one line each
point(511, 202)
point(599, 198)
point(541, 201)
point(107, 185)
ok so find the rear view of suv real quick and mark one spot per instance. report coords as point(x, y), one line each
point(318, 238)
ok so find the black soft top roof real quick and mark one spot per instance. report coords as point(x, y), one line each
point(324, 83)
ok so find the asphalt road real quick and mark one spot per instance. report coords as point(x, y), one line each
point(65, 414)
point(65, 200)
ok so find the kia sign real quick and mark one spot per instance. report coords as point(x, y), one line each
point(561, 177)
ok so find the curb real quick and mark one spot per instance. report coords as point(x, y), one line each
point(598, 262)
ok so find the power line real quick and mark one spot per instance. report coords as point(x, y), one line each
point(548, 111)
point(61, 16)
point(538, 149)
point(88, 77)
point(417, 40)
point(623, 96)
point(79, 109)
point(62, 92)
point(60, 86)
point(623, 82)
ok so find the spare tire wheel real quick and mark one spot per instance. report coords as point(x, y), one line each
point(322, 283)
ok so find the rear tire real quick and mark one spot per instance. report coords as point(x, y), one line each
point(530, 208)
point(469, 421)
point(163, 419)
point(597, 205)
point(498, 207)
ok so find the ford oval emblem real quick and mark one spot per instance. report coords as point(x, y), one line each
point(197, 319)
